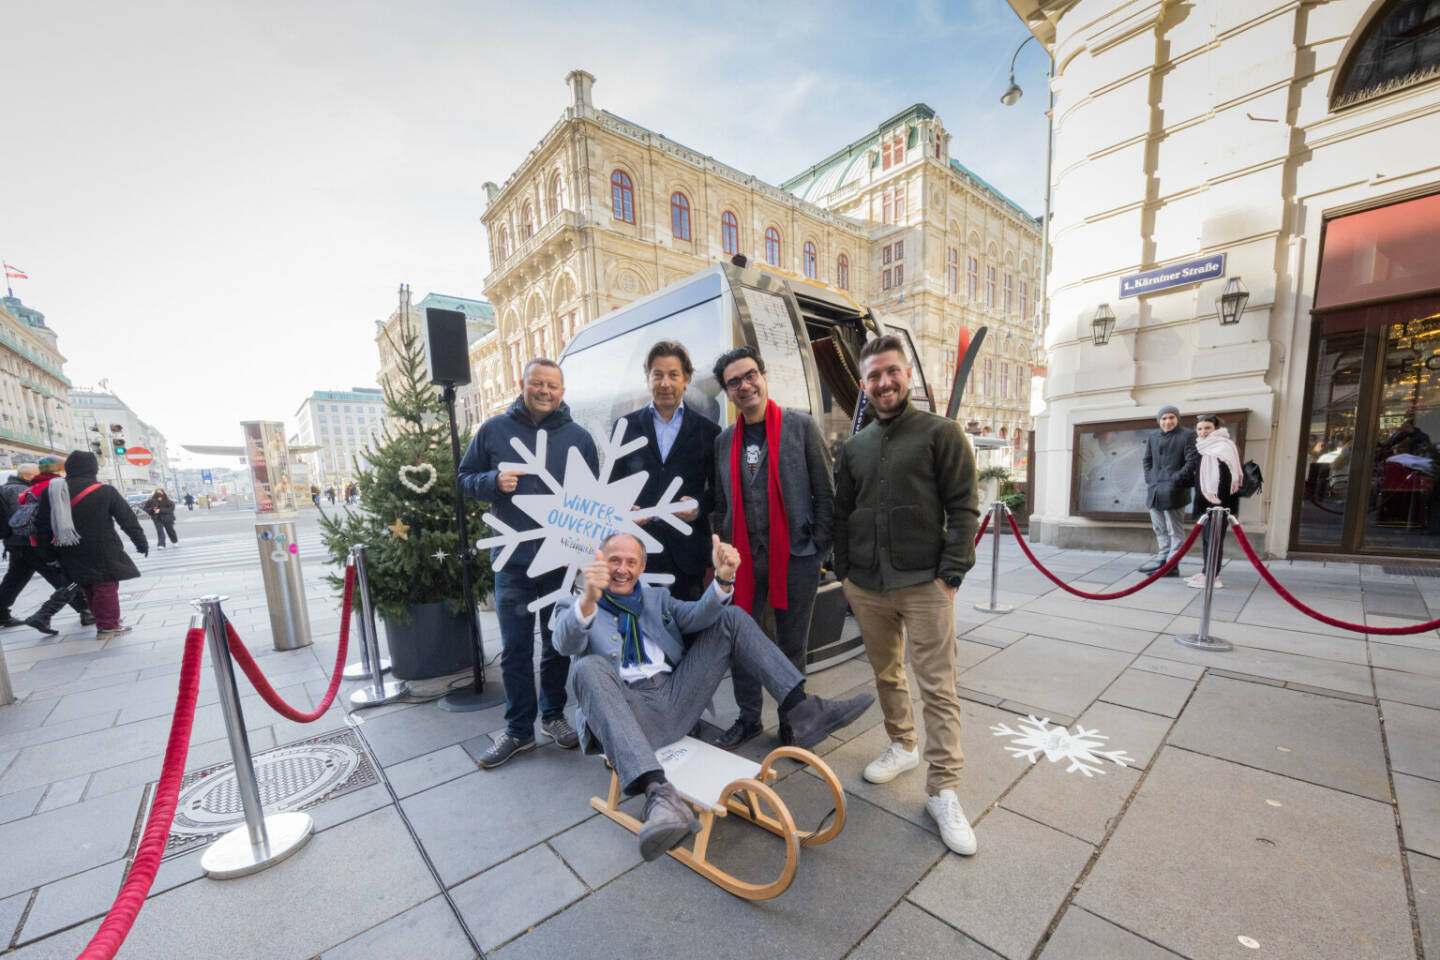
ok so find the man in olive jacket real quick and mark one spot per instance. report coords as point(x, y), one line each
point(905, 519)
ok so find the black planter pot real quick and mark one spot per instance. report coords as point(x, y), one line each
point(433, 643)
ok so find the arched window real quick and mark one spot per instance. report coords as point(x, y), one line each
point(1400, 47)
point(772, 246)
point(527, 227)
point(810, 259)
point(622, 196)
point(842, 272)
point(679, 216)
point(557, 194)
point(729, 233)
point(502, 245)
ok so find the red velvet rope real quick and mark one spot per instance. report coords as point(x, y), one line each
point(1169, 565)
point(980, 534)
point(267, 692)
point(1286, 595)
point(117, 923)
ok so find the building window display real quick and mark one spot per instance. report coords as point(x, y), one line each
point(729, 233)
point(1399, 48)
point(679, 216)
point(811, 259)
point(622, 197)
point(772, 246)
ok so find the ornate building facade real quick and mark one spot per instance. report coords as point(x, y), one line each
point(604, 211)
point(34, 392)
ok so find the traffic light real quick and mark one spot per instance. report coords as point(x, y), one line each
point(117, 442)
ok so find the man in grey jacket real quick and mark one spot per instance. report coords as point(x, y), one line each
point(1171, 466)
point(646, 666)
point(774, 502)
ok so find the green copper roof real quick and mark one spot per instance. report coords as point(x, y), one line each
point(474, 309)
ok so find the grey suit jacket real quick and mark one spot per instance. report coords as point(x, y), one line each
point(804, 482)
point(663, 620)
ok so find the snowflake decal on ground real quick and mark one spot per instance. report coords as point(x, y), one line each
point(1036, 737)
point(580, 511)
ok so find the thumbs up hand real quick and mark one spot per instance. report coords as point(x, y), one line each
point(725, 558)
point(596, 578)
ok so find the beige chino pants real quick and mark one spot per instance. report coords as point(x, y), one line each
point(923, 616)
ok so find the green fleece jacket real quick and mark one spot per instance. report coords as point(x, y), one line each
point(906, 505)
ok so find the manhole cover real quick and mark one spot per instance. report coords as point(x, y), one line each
point(296, 776)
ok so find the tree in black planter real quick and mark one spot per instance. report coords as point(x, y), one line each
point(406, 520)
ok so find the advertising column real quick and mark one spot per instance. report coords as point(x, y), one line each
point(275, 534)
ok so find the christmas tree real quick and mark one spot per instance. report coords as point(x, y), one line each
point(406, 516)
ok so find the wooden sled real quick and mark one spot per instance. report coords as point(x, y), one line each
point(716, 784)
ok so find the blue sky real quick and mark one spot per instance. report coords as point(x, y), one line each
point(215, 201)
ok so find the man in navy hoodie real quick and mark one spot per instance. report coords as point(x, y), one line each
point(538, 407)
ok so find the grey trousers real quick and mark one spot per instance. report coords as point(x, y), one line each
point(633, 720)
point(1169, 526)
point(792, 625)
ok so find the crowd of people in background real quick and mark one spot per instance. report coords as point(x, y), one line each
point(764, 516)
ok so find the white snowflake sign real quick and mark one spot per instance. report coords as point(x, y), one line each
point(1080, 748)
point(579, 511)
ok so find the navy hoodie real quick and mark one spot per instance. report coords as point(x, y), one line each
point(480, 467)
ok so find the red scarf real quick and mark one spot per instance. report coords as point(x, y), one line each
point(779, 524)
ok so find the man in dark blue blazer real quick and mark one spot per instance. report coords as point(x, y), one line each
point(680, 442)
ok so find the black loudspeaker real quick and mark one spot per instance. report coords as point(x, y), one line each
point(447, 349)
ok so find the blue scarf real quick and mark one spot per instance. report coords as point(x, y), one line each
point(626, 611)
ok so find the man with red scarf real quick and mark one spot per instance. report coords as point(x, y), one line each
point(774, 502)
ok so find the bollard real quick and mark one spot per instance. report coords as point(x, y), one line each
point(263, 840)
point(361, 670)
point(380, 690)
point(7, 693)
point(995, 606)
point(1202, 640)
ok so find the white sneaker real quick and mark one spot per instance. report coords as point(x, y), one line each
point(944, 809)
point(890, 764)
point(1197, 582)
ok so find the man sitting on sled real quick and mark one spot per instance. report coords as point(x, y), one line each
point(646, 665)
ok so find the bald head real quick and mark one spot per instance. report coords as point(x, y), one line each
point(27, 471)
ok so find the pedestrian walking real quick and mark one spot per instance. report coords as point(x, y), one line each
point(76, 520)
point(330, 495)
point(314, 494)
point(679, 444)
point(161, 510)
point(1170, 463)
point(539, 407)
point(773, 502)
point(1221, 474)
point(906, 510)
point(189, 500)
point(19, 499)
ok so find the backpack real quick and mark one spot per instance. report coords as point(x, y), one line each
point(1253, 480)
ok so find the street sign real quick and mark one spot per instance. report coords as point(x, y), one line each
point(1175, 275)
point(138, 456)
point(206, 477)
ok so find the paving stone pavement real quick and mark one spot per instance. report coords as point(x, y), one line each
point(1285, 794)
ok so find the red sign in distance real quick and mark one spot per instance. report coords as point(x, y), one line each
point(139, 456)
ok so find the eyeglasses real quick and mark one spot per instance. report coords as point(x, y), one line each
point(752, 377)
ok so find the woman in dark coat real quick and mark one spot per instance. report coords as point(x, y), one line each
point(97, 560)
point(162, 510)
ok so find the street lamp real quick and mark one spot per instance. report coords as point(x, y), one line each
point(1013, 93)
point(1103, 323)
point(1231, 304)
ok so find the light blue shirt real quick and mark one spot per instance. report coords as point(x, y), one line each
point(665, 433)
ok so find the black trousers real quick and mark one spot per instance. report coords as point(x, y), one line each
point(792, 626)
point(25, 562)
point(162, 526)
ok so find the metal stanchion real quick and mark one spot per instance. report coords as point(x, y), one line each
point(263, 840)
point(380, 690)
point(7, 693)
point(362, 669)
point(1215, 518)
point(997, 517)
